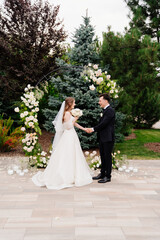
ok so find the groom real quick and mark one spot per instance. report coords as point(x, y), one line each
point(105, 134)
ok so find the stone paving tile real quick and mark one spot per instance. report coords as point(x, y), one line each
point(128, 208)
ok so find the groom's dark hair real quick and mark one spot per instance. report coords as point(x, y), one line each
point(105, 96)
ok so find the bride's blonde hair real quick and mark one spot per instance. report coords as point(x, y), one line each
point(68, 104)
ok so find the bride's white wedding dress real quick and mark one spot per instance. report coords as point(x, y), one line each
point(67, 166)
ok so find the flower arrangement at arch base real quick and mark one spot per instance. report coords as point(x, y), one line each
point(28, 110)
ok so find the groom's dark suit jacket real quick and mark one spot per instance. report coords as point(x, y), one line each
point(105, 127)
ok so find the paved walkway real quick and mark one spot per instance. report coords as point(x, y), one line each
point(128, 208)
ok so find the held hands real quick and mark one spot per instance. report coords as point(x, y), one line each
point(88, 130)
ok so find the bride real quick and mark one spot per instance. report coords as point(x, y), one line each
point(67, 166)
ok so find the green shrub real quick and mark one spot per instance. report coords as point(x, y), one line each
point(9, 137)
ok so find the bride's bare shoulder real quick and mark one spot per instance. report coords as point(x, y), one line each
point(67, 116)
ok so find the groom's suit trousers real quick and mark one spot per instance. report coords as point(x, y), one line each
point(106, 158)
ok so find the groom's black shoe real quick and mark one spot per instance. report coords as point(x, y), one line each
point(99, 176)
point(104, 180)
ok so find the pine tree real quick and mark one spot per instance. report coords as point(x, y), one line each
point(145, 16)
point(72, 84)
point(133, 61)
point(85, 45)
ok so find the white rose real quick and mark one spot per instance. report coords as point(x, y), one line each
point(94, 79)
point(99, 80)
point(31, 118)
point(30, 124)
point(36, 104)
point(86, 153)
point(77, 112)
point(22, 115)
point(35, 120)
point(26, 113)
point(95, 66)
point(16, 109)
point(23, 129)
point(92, 87)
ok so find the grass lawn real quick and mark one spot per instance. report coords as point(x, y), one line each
point(134, 148)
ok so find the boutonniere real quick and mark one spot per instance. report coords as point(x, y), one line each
point(101, 114)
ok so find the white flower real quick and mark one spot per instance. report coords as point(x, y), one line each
point(116, 90)
point(98, 73)
point(36, 104)
point(108, 77)
point(116, 96)
point(94, 79)
point(16, 109)
point(92, 87)
point(31, 118)
point(99, 80)
point(29, 86)
point(43, 153)
point(28, 143)
point(86, 153)
point(118, 152)
point(23, 140)
point(23, 129)
point(26, 89)
point(111, 91)
point(25, 113)
point(105, 72)
point(22, 115)
point(94, 152)
point(95, 66)
point(30, 124)
point(77, 112)
point(108, 84)
point(25, 148)
point(86, 78)
point(97, 165)
point(36, 109)
point(35, 120)
point(89, 64)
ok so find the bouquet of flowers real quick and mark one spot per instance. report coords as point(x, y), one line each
point(76, 112)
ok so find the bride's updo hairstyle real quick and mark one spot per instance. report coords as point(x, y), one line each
point(68, 104)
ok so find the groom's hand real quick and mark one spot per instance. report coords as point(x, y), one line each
point(89, 130)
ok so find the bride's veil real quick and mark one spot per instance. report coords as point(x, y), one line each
point(58, 124)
